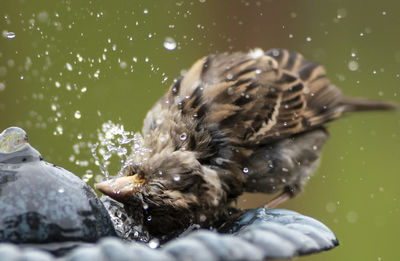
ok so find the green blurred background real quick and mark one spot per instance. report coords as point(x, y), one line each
point(66, 67)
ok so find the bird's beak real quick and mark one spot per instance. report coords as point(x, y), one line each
point(121, 188)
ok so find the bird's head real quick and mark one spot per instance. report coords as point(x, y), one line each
point(173, 186)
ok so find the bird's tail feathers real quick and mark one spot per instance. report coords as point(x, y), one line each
point(362, 104)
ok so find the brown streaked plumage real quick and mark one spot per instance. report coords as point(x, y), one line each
point(234, 123)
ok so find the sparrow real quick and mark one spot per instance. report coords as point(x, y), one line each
point(234, 123)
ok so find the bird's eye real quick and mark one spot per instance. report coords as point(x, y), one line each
point(135, 168)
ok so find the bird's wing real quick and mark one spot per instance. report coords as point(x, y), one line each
point(245, 105)
point(256, 97)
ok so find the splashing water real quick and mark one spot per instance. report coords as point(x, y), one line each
point(113, 140)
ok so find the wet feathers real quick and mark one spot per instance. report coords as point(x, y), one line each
point(233, 123)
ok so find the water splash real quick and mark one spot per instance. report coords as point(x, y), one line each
point(114, 141)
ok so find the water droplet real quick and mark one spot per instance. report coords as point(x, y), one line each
point(270, 164)
point(2, 86)
point(43, 16)
point(123, 64)
point(160, 173)
point(352, 216)
point(159, 121)
point(87, 176)
point(285, 170)
point(69, 66)
point(275, 52)
point(53, 107)
point(154, 243)
point(183, 136)
point(145, 11)
point(8, 35)
point(11, 63)
point(177, 178)
point(149, 218)
point(330, 207)
point(256, 53)
point(230, 91)
point(202, 1)
point(145, 206)
point(80, 58)
point(61, 190)
point(57, 84)
point(308, 39)
point(59, 130)
point(353, 66)
point(341, 13)
point(162, 138)
point(315, 147)
point(170, 43)
point(229, 76)
point(245, 170)
point(77, 115)
point(202, 218)
point(219, 161)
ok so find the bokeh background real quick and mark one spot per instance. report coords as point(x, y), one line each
point(67, 67)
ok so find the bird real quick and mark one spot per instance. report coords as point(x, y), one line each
point(235, 122)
